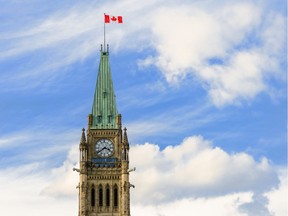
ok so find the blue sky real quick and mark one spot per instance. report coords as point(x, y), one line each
point(207, 75)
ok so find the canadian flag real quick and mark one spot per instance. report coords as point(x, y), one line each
point(110, 19)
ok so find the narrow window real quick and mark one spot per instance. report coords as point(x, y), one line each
point(109, 118)
point(93, 197)
point(107, 196)
point(100, 196)
point(115, 197)
point(104, 94)
point(99, 119)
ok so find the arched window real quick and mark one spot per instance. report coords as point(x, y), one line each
point(100, 195)
point(115, 196)
point(107, 196)
point(93, 196)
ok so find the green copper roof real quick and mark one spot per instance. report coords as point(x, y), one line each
point(104, 109)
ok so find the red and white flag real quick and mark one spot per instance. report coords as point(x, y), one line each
point(112, 19)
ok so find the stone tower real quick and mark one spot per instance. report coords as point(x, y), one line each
point(104, 187)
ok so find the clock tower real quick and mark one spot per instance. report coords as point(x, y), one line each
point(104, 187)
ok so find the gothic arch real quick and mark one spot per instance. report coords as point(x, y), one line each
point(115, 196)
point(100, 195)
point(107, 190)
point(93, 196)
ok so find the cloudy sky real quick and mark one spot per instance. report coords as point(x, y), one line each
point(201, 86)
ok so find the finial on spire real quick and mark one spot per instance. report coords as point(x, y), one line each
point(125, 138)
point(101, 49)
point(108, 48)
point(83, 137)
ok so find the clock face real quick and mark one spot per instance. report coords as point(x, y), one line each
point(104, 148)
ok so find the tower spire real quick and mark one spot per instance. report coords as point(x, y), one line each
point(104, 110)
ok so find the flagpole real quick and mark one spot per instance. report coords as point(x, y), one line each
point(104, 33)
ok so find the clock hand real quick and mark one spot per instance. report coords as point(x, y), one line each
point(101, 150)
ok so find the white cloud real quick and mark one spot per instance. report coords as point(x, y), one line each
point(195, 168)
point(241, 78)
point(36, 144)
point(199, 34)
point(219, 206)
point(64, 179)
point(13, 140)
point(21, 193)
point(278, 197)
point(273, 34)
point(153, 124)
point(232, 49)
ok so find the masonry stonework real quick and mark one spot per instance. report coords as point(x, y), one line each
point(104, 187)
